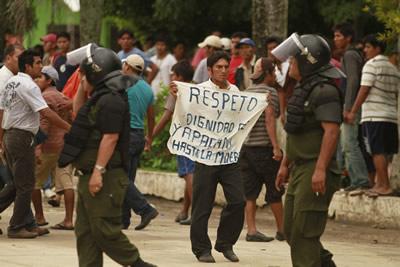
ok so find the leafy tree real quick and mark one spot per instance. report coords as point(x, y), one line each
point(387, 12)
point(188, 20)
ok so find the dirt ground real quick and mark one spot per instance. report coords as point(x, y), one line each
point(166, 243)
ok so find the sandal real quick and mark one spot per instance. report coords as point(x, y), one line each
point(61, 226)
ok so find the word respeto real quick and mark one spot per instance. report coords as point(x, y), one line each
point(222, 100)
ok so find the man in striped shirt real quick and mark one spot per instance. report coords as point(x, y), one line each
point(261, 155)
point(377, 98)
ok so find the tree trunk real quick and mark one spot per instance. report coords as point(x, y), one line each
point(395, 174)
point(270, 18)
point(90, 21)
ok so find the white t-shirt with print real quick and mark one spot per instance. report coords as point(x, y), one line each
point(163, 76)
point(5, 75)
point(21, 101)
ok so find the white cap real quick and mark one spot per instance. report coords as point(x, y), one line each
point(226, 43)
point(51, 72)
point(135, 61)
point(212, 40)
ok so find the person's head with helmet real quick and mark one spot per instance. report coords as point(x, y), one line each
point(99, 64)
point(310, 55)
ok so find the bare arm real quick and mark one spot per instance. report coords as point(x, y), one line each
point(106, 150)
point(270, 124)
point(152, 73)
point(54, 119)
point(362, 95)
point(283, 174)
point(328, 148)
point(166, 117)
point(79, 99)
point(150, 127)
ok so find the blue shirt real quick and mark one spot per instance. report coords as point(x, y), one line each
point(140, 97)
point(135, 51)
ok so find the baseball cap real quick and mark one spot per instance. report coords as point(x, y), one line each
point(211, 40)
point(246, 41)
point(51, 37)
point(51, 72)
point(226, 43)
point(262, 66)
point(135, 61)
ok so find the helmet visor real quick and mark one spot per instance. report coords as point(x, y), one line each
point(287, 48)
point(76, 56)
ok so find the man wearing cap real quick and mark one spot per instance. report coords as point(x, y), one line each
point(236, 59)
point(314, 114)
point(127, 41)
point(261, 154)
point(247, 48)
point(47, 153)
point(21, 105)
point(49, 42)
point(140, 98)
point(211, 44)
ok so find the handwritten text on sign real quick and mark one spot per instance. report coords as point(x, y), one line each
point(210, 125)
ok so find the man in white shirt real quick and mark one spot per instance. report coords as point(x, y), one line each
point(9, 69)
point(205, 182)
point(21, 105)
point(164, 62)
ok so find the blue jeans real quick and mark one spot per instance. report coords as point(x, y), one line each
point(355, 163)
point(134, 199)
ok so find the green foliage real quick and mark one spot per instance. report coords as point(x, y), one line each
point(387, 12)
point(340, 10)
point(159, 158)
point(188, 20)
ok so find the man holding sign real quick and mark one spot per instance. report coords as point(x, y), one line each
point(210, 123)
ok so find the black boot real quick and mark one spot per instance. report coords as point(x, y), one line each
point(140, 263)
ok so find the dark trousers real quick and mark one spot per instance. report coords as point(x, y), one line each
point(205, 182)
point(98, 222)
point(305, 216)
point(134, 199)
point(19, 151)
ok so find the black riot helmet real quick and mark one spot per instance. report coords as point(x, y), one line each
point(99, 63)
point(316, 57)
point(311, 51)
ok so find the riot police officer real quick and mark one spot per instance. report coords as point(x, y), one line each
point(312, 125)
point(97, 147)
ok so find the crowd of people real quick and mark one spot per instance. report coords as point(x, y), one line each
point(332, 113)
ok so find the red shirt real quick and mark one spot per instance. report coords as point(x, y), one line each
point(198, 56)
point(235, 62)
